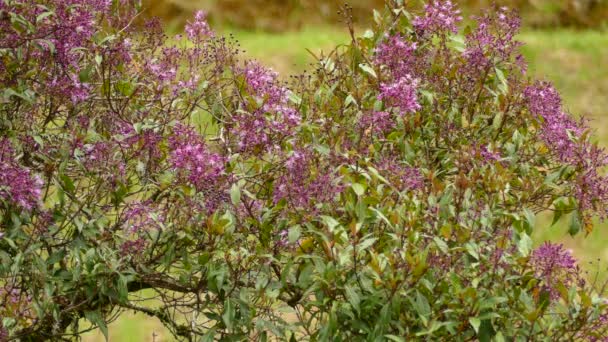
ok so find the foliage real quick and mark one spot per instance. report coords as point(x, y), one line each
point(390, 194)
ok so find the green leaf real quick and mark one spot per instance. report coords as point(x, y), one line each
point(67, 183)
point(524, 245)
point(95, 318)
point(228, 316)
point(294, 234)
point(377, 17)
point(235, 194)
point(353, 297)
point(475, 323)
point(575, 224)
point(350, 100)
point(359, 189)
point(368, 69)
point(366, 243)
point(530, 220)
point(43, 15)
point(294, 98)
point(8, 93)
point(421, 305)
point(503, 85)
point(441, 244)
point(126, 88)
point(330, 222)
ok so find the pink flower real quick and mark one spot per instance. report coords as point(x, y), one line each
point(199, 29)
point(17, 185)
point(553, 264)
point(439, 16)
point(401, 94)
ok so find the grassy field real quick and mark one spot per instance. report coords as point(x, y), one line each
point(575, 61)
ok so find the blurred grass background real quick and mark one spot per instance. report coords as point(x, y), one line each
point(566, 43)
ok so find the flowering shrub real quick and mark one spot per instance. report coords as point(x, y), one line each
point(388, 195)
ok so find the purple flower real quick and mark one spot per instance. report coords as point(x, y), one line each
point(493, 41)
point(397, 55)
point(401, 94)
point(488, 156)
point(199, 29)
point(558, 127)
point(377, 123)
point(272, 118)
point(439, 17)
point(553, 264)
point(300, 187)
point(17, 185)
point(402, 176)
point(263, 82)
point(562, 135)
point(142, 217)
point(192, 160)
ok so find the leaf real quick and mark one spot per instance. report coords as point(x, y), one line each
point(350, 100)
point(330, 222)
point(377, 17)
point(359, 189)
point(368, 69)
point(126, 88)
point(366, 243)
point(530, 220)
point(524, 245)
point(422, 306)
point(43, 15)
point(428, 96)
point(95, 318)
point(67, 183)
point(504, 85)
point(294, 234)
point(228, 316)
point(475, 323)
point(374, 172)
point(575, 224)
point(353, 297)
point(441, 244)
point(11, 92)
point(294, 98)
point(235, 194)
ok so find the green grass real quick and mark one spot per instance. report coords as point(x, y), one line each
point(287, 52)
point(575, 61)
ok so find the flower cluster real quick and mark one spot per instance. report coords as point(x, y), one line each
point(141, 217)
point(17, 184)
point(559, 129)
point(554, 265)
point(377, 123)
point(402, 176)
point(397, 54)
point(562, 134)
point(14, 303)
point(401, 94)
point(492, 41)
point(272, 118)
point(300, 187)
point(192, 160)
point(199, 29)
point(439, 16)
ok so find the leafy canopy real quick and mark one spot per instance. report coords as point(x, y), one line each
point(389, 194)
